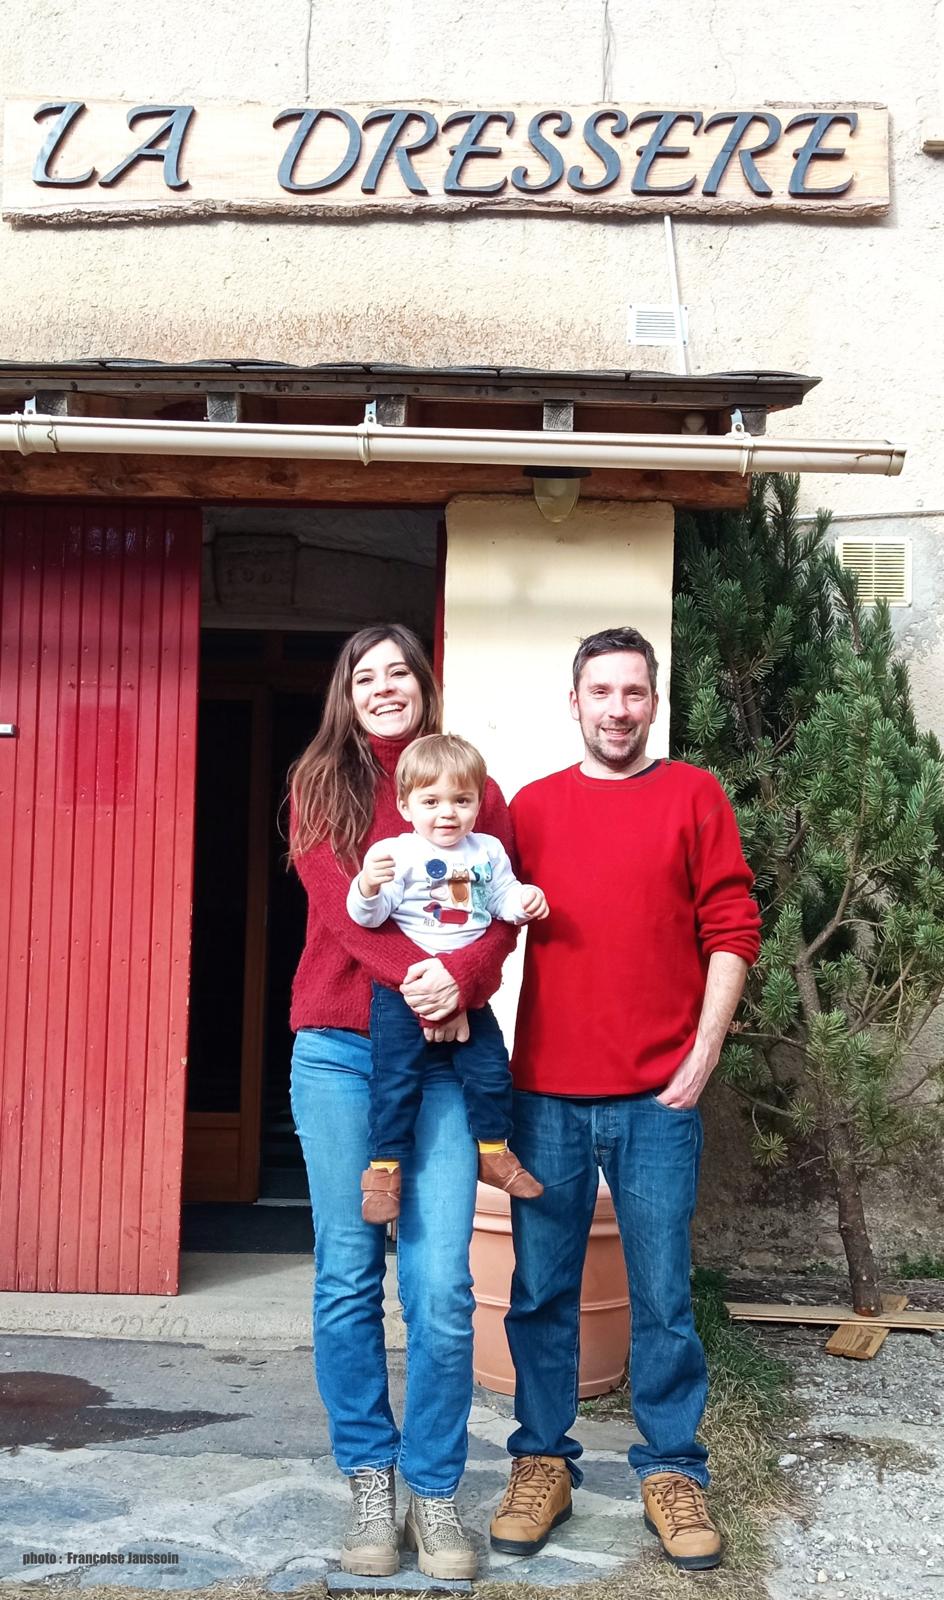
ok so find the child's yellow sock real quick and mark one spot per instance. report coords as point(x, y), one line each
point(384, 1166)
point(490, 1147)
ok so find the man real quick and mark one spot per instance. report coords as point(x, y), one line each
point(628, 990)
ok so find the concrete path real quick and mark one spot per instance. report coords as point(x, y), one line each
point(215, 1452)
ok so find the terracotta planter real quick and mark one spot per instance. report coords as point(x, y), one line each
point(604, 1297)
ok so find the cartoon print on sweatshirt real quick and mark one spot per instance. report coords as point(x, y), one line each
point(458, 895)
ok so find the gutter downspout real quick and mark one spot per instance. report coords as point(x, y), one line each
point(738, 452)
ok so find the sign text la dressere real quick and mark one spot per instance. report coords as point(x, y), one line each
point(75, 160)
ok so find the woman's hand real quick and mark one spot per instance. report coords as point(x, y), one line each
point(454, 1032)
point(428, 990)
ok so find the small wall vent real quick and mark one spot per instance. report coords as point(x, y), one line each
point(655, 325)
point(882, 566)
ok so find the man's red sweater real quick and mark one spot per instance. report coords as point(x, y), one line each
point(645, 879)
point(340, 959)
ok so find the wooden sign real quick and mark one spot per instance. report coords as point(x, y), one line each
point(77, 161)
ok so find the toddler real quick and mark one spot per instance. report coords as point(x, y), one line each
point(442, 884)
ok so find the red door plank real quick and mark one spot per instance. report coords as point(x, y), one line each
point(100, 610)
point(16, 705)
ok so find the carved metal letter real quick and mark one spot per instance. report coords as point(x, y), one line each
point(549, 152)
point(398, 121)
point(309, 121)
point(174, 127)
point(478, 121)
point(67, 111)
point(813, 151)
point(610, 157)
point(741, 121)
point(665, 121)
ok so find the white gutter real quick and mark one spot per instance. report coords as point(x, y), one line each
point(738, 451)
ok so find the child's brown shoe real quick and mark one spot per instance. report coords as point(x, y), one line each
point(503, 1170)
point(381, 1191)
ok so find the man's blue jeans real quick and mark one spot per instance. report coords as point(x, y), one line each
point(650, 1156)
point(330, 1101)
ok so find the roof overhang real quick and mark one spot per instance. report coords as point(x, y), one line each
point(716, 391)
point(267, 431)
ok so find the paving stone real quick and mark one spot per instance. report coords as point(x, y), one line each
point(406, 1581)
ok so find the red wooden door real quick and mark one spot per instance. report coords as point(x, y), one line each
point(99, 611)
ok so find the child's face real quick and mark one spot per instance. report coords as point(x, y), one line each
point(443, 812)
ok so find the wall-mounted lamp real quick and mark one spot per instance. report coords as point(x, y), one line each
point(556, 489)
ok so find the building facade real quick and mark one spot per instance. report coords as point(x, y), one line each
point(430, 226)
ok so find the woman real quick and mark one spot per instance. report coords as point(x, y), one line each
point(382, 695)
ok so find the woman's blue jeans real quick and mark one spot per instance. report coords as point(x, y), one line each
point(330, 1103)
point(650, 1157)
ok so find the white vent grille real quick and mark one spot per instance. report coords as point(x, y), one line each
point(656, 325)
point(882, 566)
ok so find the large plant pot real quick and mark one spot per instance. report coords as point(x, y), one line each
point(604, 1297)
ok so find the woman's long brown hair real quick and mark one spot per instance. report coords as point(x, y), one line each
point(333, 782)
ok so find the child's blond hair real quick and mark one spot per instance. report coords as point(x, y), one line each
point(426, 759)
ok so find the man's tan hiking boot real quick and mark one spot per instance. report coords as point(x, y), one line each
point(536, 1501)
point(676, 1511)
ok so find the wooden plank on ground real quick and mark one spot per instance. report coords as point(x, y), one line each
point(757, 1311)
point(862, 1344)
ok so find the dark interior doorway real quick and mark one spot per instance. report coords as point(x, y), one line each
point(260, 704)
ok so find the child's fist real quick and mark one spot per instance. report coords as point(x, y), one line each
point(533, 903)
point(379, 867)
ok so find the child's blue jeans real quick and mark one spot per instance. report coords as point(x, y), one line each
point(402, 1059)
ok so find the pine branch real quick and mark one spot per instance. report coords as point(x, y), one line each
point(798, 837)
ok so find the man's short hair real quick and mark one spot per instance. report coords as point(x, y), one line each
point(610, 640)
point(426, 759)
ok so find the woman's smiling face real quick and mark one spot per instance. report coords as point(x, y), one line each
point(388, 700)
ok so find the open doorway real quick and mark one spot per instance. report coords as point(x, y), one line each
point(262, 681)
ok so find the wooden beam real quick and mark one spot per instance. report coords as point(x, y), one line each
point(391, 410)
point(913, 1317)
point(56, 403)
point(754, 419)
point(223, 406)
point(559, 415)
point(385, 483)
point(863, 1344)
point(667, 391)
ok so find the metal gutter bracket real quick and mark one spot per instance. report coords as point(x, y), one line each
point(738, 431)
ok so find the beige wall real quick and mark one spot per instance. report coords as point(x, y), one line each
point(520, 595)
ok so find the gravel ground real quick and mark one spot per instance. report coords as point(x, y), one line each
point(861, 1448)
point(865, 1453)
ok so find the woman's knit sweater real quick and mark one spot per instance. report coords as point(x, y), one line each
point(340, 959)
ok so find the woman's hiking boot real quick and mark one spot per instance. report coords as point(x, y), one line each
point(677, 1513)
point(443, 1548)
point(537, 1500)
point(370, 1546)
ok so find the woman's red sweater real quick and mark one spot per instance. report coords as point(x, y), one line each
point(340, 959)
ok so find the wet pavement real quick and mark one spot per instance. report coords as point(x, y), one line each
point(144, 1464)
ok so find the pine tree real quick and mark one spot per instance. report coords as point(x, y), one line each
point(789, 690)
